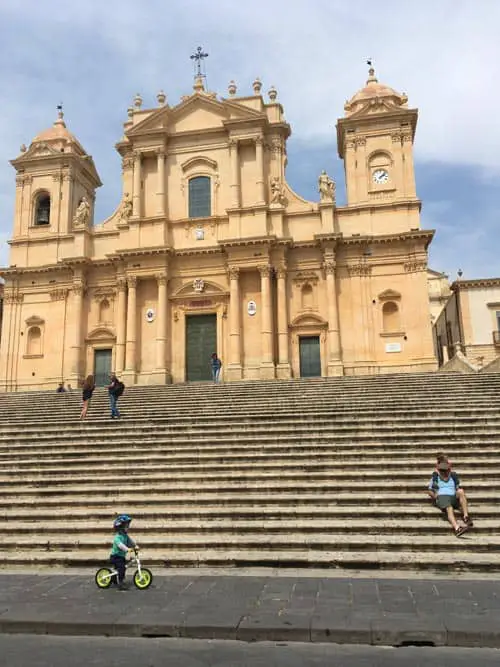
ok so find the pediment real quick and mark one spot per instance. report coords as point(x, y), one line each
point(38, 150)
point(101, 333)
point(197, 112)
point(375, 105)
point(389, 295)
point(207, 288)
point(309, 320)
point(34, 320)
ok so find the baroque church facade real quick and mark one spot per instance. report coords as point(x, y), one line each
point(210, 250)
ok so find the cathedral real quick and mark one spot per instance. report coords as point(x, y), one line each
point(210, 250)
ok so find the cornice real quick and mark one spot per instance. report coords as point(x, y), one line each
point(251, 240)
point(417, 235)
point(136, 252)
point(210, 250)
point(475, 283)
point(370, 206)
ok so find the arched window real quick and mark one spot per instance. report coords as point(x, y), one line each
point(200, 204)
point(42, 209)
point(34, 341)
point(390, 316)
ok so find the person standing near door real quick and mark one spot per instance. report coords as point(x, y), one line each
point(216, 367)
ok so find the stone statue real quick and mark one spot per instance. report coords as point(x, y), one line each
point(277, 191)
point(326, 187)
point(82, 215)
point(125, 210)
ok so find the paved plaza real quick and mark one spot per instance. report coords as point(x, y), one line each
point(370, 611)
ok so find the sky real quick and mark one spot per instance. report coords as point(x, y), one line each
point(95, 55)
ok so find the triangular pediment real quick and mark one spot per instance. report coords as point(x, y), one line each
point(374, 106)
point(197, 112)
point(38, 150)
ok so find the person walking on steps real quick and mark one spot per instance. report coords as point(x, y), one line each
point(122, 542)
point(87, 391)
point(216, 367)
point(447, 494)
point(115, 390)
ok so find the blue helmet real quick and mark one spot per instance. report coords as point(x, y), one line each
point(121, 520)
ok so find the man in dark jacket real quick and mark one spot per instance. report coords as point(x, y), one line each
point(115, 390)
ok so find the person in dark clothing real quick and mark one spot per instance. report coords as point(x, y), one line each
point(60, 389)
point(216, 367)
point(122, 542)
point(115, 390)
point(87, 391)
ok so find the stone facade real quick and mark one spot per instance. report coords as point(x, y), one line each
point(208, 226)
point(470, 322)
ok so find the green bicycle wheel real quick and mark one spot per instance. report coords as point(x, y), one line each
point(103, 577)
point(144, 579)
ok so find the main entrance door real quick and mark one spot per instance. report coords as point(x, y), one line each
point(310, 357)
point(201, 343)
point(102, 367)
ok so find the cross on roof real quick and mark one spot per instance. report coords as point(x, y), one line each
point(198, 58)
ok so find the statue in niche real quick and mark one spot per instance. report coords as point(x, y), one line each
point(277, 191)
point(326, 187)
point(125, 210)
point(82, 215)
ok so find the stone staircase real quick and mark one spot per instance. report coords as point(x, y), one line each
point(302, 473)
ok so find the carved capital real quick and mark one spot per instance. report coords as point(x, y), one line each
point(349, 144)
point(24, 179)
point(127, 162)
point(414, 266)
point(265, 270)
point(78, 287)
point(329, 266)
point(233, 143)
point(360, 141)
point(9, 296)
point(132, 282)
point(233, 272)
point(137, 155)
point(161, 278)
point(160, 153)
point(68, 175)
point(259, 141)
point(407, 137)
point(59, 294)
point(359, 269)
point(121, 283)
point(281, 272)
point(396, 137)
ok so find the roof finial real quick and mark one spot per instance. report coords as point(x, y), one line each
point(60, 115)
point(371, 72)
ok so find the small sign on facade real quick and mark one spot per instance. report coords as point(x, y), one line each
point(150, 314)
point(393, 347)
point(251, 308)
point(199, 234)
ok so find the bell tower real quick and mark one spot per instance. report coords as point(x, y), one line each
point(55, 192)
point(375, 140)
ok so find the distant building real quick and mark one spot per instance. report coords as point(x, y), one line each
point(470, 322)
point(210, 250)
point(439, 292)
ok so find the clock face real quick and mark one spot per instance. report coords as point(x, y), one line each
point(380, 176)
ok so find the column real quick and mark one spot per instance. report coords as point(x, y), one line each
point(267, 365)
point(234, 323)
point(334, 366)
point(283, 356)
point(235, 173)
point(130, 351)
point(121, 324)
point(259, 158)
point(7, 338)
point(136, 197)
point(160, 189)
point(161, 324)
point(76, 348)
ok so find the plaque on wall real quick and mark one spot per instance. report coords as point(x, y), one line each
point(393, 347)
point(150, 315)
point(251, 308)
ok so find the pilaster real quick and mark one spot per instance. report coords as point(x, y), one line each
point(283, 370)
point(267, 369)
point(234, 370)
point(131, 337)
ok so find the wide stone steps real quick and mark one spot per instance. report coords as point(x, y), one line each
point(452, 560)
point(328, 473)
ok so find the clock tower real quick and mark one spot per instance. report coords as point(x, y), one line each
point(375, 140)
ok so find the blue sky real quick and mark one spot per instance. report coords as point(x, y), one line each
point(94, 56)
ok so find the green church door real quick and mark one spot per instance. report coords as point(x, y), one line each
point(201, 343)
point(310, 357)
point(102, 367)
